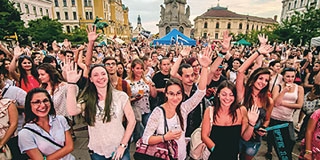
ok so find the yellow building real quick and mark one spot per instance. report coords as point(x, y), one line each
point(218, 19)
point(75, 13)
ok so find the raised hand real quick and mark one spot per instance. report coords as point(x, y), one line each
point(66, 43)
point(265, 49)
point(205, 58)
point(72, 73)
point(263, 39)
point(55, 46)
point(226, 41)
point(17, 51)
point(253, 114)
point(92, 35)
point(185, 51)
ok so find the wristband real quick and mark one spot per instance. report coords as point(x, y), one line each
point(44, 157)
point(72, 83)
point(163, 138)
point(250, 124)
point(212, 149)
point(308, 152)
point(258, 52)
point(123, 145)
point(221, 55)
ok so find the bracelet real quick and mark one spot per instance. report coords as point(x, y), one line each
point(123, 145)
point(72, 83)
point(212, 149)
point(163, 140)
point(250, 124)
point(258, 52)
point(44, 157)
point(221, 55)
point(308, 152)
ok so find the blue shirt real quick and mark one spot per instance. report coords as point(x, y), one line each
point(28, 140)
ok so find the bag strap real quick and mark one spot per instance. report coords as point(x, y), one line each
point(4, 91)
point(166, 129)
point(34, 131)
point(274, 82)
point(211, 115)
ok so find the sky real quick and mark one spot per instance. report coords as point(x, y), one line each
point(149, 10)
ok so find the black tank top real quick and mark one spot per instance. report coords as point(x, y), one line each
point(226, 139)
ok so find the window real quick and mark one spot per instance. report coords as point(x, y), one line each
point(47, 12)
point(181, 29)
point(41, 12)
point(260, 28)
point(216, 35)
point(68, 29)
point(205, 35)
point(240, 26)
point(58, 15)
point(295, 4)
point(64, 3)
point(87, 3)
point(56, 3)
point(66, 15)
point(247, 26)
point(252, 28)
point(167, 30)
point(90, 14)
point(257, 27)
point(301, 3)
point(73, 2)
point(289, 6)
point(27, 8)
point(34, 10)
point(217, 25)
point(87, 15)
point(229, 25)
point(19, 7)
point(205, 25)
point(75, 15)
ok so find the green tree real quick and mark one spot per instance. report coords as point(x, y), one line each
point(45, 29)
point(77, 36)
point(10, 20)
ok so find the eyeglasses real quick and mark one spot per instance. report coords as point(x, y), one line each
point(38, 102)
point(172, 94)
point(110, 64)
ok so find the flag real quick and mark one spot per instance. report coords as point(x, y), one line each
point(181, 39)
point(146, 34)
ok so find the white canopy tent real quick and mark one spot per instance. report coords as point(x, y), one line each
point(315, 41)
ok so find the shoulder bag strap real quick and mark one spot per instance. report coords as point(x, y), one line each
point(166, 129)
point(34, 131)
point(4, 91)
point(274, 82)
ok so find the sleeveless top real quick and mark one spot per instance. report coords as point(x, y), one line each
point(233, 76)
point(32, 83)
point(283, 113)
point(226, 139)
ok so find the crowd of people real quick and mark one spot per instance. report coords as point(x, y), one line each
point(238, 95)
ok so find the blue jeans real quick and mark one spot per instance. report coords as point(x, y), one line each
point(145, 118)
point(95, 156)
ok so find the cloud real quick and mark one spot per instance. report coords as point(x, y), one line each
point(149, 10)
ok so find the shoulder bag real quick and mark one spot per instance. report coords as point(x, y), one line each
point(162, 151)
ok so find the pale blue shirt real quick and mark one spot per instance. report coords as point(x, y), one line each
point(28, 140)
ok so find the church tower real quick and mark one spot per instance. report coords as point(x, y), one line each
point(138, 29)
point(174, 14)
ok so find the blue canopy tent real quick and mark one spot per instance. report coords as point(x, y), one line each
point(173, 37)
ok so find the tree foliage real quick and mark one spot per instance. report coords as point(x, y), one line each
point(77, 36)
point(45, 29)
point(10, 20)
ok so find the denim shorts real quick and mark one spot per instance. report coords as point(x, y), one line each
point(250, 148)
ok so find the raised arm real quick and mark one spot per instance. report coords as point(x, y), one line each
point(5, 50)
point(92, 36)
point(312, 125)
point(174, 70)
point(13, 64)
point(72, 78)
point(13, 121)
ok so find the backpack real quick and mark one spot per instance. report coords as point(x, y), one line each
point(198, 149)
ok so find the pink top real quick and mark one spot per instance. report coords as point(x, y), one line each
point(316, 134)
point(283, 113)
point(32, 83)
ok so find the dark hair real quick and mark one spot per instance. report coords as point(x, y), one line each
point(164, 58)
point(50, 59)
point(23, 73)
point(109, 58)
point(170, 82)
point(234, 106)
point(125, 74)
point(191, 60)
point(305, 52)
point(263, 94)
point(273, 63)
point(29, 115)
point(90, 97)
point(238, 59)
point(54, 75)
point(182, 66)
point(3, 69)
point(288, 70)
point(144, 58)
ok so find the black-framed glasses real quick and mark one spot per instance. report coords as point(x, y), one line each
point(172, 94)
point(38, 102)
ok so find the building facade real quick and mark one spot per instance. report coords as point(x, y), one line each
point(218, 19)
point(79, 13)
point(290, 6)
point(33, 9)
point(176, 15)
